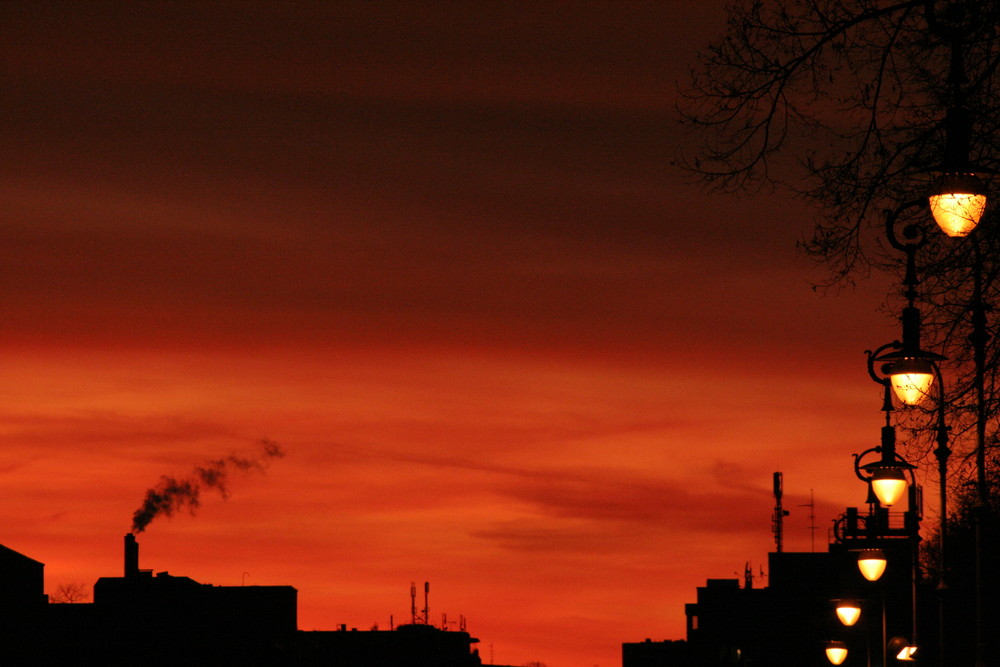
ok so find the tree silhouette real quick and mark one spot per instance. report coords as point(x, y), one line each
point(70, 594)
point(954, 578)
point(854, 105)
point(857, 106)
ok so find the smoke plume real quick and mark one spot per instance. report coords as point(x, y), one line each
point(173, 494)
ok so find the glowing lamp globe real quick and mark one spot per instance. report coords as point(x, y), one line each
point(911, 379)
point(871, 562)
point(836, 652)
point(848, 612)
point(902, 649)
point(889, 485)
point(958, 202)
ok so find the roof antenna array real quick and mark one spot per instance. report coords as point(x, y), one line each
point(423, 618)
point(812, 520)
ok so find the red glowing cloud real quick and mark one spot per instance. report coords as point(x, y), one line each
point(439, 253)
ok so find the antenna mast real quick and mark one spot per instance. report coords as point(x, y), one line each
point(427, 611)
point(812, 520)
point(413, 602)
point(423, 618)
point(778, 518)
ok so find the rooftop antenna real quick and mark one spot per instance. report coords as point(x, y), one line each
point(812, 520)
point(427, 611)
point(778, 518)
point(413, 602)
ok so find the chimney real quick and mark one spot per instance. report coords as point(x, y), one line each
point(131, 556)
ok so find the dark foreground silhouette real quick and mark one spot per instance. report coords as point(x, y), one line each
point(146, 619)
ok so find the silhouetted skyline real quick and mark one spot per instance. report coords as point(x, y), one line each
point(165, 619)
point(439, 252)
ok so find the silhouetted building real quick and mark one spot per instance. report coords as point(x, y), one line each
point(415, 645)
point(784, 623)
point(673, 652)
point(787, 623)
point(22, 581)
point(146, 619)
point(23, 604)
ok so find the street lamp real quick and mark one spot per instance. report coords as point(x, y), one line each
point(886, 477)
point(957, 202)
point(941, 453)
point(848, 611)
point(911, 371)
point(971, 211)
point(888, 484)
point(836, 652)
point(903, 649)
point(911, 378)
point(910, 368)
point(872, 563)
point(952, 25)
point(957, 199)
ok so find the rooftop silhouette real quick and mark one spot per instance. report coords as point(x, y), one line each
point(162, 619)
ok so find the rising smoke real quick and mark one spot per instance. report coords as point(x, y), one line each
point(173, 494)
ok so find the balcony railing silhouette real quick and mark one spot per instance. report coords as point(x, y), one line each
point(854, 528)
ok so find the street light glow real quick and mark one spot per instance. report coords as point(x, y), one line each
point(958, 203)
point(903, 649)
point(871, 562)
point(911, 379)
point(848, 612)
point(836, 652)
point(889, 485)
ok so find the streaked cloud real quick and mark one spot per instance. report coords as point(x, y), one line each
point(439, 252)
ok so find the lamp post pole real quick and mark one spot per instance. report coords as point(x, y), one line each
point(952, 24)
point(918, 360)
point(942, 452)
point(978, 338)
point(885, 634)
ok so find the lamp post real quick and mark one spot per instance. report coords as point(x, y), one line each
point(957, 198)
point(958, 203)
point(962, 218)
point(887, 476)
point(978, 338)
point(872, 562)
point(941, 453)
point(912, 371)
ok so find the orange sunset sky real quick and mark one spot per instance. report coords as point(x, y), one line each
point(437, 251)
